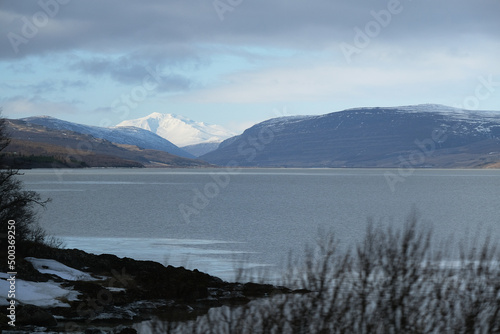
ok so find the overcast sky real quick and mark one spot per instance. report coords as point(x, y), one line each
point(238, 62)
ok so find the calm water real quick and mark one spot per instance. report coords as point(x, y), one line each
point(213, 220)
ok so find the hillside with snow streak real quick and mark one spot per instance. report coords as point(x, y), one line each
point(430, 136)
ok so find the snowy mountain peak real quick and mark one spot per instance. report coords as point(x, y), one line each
point(180, 130)
point(157, 114)
point(128, 135)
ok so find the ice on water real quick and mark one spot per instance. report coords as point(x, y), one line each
point(203, 255)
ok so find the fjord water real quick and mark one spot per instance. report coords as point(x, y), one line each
point(215, 220)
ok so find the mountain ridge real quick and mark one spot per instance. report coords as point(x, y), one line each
point(367, 137)
point(121, 135)
point(37, 146)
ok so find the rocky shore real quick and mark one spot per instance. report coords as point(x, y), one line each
point(112, 294)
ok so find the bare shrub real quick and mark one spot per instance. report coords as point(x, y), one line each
point(18, 204)
point(390, 282)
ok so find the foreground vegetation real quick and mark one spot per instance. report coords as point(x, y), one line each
point(392, 281)
point(16, 203)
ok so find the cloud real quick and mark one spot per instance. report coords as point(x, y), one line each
point(18, 107)
point(116, 25)
point(78, 84)
point(257, 52)
point(376, 74)
point(46, 86)
point(124, 36)
point(131, 72)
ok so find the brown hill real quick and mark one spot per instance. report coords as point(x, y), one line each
point(35, 146)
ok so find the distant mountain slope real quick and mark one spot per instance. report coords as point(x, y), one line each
point(122, 135)
point(423, 136)
point(200, 149)
point(180, 130)
point(34, 146)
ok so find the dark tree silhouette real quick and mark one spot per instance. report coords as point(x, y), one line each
point(16, 203)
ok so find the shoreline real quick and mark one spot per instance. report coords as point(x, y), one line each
point(232, 170)
point(118, 292)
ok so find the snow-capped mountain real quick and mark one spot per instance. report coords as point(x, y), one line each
point(128, 135)
point(180, 130)
point(439, 136)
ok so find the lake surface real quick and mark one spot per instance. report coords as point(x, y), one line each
point(217, 219)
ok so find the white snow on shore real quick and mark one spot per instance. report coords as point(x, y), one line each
point(43, 294)
point(46, 266)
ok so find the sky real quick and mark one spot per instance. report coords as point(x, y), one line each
point(239, 62)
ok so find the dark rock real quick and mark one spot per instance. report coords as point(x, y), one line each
point(142, 279)
point(35, 316)
point(94, 331)
point(87, 288)
point(259, 290)
point(129, 290)
point(114, 314)
point(127, 331)
point(26, 271)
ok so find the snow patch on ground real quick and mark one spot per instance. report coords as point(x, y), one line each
point(42, 294)
point(4, 275)
point(45, 294)
point(46, 266)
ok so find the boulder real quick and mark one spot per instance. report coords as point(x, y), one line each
point(34, 316)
